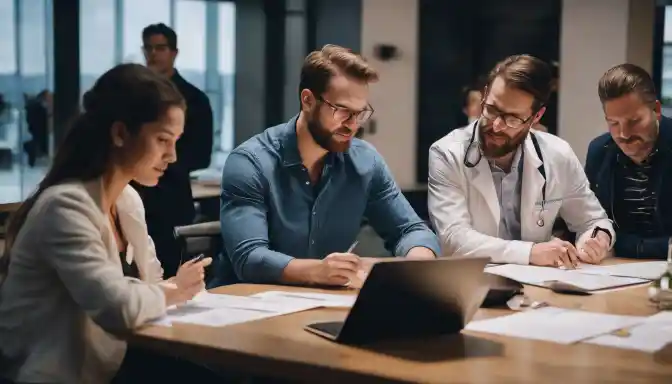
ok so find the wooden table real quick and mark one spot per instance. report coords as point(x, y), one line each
point(280, 347)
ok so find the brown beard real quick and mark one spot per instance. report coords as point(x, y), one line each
point(509, 146)
point(325, 138)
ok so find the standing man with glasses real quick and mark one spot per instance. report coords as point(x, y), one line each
point(294, 197)
point(170, 203)
point(495, 188)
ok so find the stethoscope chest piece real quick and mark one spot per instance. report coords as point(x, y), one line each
point(540, 222)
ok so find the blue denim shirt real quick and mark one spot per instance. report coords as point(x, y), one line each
point(271, 214)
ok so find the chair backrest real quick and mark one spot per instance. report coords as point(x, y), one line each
point(195, 239)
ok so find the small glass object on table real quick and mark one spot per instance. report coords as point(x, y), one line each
point(660, 291)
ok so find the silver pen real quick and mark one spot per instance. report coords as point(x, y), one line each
point(352, 248)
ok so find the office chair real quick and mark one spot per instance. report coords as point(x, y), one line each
point(195, 239)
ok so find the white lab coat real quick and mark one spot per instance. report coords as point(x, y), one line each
point(464, 208)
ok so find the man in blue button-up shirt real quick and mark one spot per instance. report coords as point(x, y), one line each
point(294, 197)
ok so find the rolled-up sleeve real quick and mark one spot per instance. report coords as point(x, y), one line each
point(393, 218)
point(243, 216)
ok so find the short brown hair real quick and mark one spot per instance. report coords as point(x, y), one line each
point(624, 79)
point(320, 66)
point(526, 73)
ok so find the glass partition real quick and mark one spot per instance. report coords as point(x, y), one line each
point(26, 84)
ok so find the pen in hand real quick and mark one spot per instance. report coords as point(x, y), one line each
point(352, 247)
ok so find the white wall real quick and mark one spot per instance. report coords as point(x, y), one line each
point(394, 96)
point(595, 36)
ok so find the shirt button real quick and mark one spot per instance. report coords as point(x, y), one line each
point(314, 212)
point(307, 182)
point(312, 242)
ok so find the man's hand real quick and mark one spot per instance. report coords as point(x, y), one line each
point(336, 269)
point(420, 253)
point(554, 253)
point(595, 249)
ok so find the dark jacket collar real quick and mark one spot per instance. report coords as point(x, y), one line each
point(289, 144)
point(176, 77)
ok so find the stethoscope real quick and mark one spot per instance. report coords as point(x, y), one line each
point(471, 161)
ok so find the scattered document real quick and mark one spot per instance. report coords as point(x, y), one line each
point(221, 310)
point(533, 275)
point(649, 270)
point(650, 336)
point(564, 326)
point(317, 299)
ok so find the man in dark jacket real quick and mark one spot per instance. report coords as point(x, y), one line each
point(170, 203)
point(630, 167)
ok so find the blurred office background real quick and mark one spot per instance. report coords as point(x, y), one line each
point(246, 56)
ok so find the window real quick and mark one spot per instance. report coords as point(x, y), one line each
point(136, 15)
point(666, 76)
point(97, 43)
point(226, 72)
point(7, 39)
point(26, 70)
point(190, 27)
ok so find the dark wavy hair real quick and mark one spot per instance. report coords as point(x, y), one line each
point(128, 93)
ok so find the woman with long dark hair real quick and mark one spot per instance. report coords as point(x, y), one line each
point(79, 266)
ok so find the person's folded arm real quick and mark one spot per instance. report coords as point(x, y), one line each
point(449, 213)
point(580, 209)
point(633, 246)
point(393, 218)
point(244, 223)
point(71, 241)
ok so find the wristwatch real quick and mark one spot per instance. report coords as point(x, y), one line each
point(598, 229)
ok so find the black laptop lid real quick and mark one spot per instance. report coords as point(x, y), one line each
point(415, 298)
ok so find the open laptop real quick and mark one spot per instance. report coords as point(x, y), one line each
point(412, 298)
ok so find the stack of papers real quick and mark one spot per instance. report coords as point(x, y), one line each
point(650, 336)
point(221, 310)
point(564, 326)
point(533, 275)
point(317, 299)
point(649, 270)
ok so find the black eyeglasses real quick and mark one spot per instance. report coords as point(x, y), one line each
point(490, 112)
point(342, 114)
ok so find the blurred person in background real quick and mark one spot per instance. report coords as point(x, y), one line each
point(38, 110)
point(170, 203)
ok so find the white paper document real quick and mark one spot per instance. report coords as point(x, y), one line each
point(533, 275)
point(564, 326)
point(649, 270)
point(221, 310)
point(318, 299)
point(650, 336)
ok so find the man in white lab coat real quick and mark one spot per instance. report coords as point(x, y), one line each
point(495, 188)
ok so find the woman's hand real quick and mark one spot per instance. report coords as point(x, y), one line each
point(187, 283)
